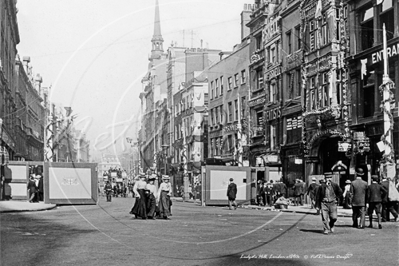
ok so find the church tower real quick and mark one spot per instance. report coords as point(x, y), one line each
point(157, 40)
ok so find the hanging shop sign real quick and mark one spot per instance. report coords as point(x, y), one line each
point(343, 146)
point(361, 142)
point(271, 158)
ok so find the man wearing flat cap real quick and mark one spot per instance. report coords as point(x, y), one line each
point(327, 196)
point(358, 191)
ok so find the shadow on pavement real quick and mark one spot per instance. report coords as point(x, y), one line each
point(28, 240)
point(258, 261)
point(317, 231)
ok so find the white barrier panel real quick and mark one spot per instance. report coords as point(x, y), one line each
point(70, 183)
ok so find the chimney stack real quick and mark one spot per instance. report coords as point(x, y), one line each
point(245, 18)
point(38, 84)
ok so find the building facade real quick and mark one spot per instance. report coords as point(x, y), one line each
point(227, 110)
point(9, 38)
point(366, 68)
point(291, 90)
point(327, 100)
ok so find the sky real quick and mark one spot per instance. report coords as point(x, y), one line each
point(94, 53)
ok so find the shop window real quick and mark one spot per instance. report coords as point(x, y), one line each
point(367, 28)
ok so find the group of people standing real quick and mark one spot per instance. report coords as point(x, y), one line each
point(35, 188)
point(270, 192)
point(360, 196)
point(152, 202)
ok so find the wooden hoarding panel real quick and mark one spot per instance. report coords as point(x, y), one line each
point(70, 183)
point(217, 181)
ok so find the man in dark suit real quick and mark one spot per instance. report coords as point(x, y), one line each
point(387, 205)
point(358, 191)
point(375, 193)
point(298, 192)
point(327, 196)
point(231, 194)
point(311, 191)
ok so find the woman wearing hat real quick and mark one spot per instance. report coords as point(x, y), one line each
point(140, 209)
point(151, 200)
point(164, 193)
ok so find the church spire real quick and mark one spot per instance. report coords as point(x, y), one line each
point(157, 40)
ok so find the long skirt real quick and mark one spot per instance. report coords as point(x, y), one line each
point(140, 209)
point(164, 204)
point(151, 203)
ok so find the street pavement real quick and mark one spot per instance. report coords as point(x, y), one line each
point(22, 206)
point(106, 234)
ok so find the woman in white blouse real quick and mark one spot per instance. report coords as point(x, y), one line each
point(164, 193)
point(140, 209)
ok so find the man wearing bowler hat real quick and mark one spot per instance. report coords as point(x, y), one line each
point(358, 191)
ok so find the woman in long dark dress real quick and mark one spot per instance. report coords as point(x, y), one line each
point(164, 193)
point(151, 200)
point(140, 209)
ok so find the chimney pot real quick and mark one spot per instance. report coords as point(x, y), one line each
point(26, 59)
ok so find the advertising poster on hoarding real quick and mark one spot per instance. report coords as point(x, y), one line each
point(70, 183)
